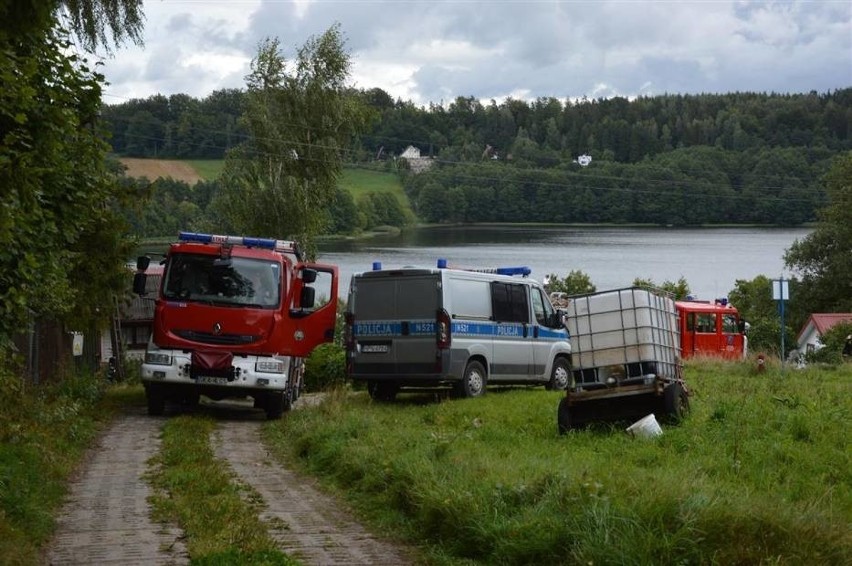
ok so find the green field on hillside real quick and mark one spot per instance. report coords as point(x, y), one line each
point(362, 181)
point(209, 169)
point(356, 180)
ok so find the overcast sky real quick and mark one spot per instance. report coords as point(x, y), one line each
point(433, 51)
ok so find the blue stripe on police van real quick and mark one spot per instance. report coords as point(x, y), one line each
point(392, 328)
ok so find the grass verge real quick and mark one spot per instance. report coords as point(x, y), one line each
point(219, 515)
point(759, 472)
point(44, 432)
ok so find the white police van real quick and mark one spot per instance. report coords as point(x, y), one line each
point(424, 327)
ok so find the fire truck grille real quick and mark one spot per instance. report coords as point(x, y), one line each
point(209, 338)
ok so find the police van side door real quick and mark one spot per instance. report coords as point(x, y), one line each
point(513, 355)
point(543, 336)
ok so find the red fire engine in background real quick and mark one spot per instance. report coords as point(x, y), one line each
point(711, 329)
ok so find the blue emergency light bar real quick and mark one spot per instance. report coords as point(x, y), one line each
point(524, 271)
point(267, 243)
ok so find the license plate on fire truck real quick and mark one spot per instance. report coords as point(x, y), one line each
point(211, 380)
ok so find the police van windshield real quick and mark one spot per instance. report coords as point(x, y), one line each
point(228, 282)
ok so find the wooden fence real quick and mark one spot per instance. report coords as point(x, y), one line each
point(45, 351)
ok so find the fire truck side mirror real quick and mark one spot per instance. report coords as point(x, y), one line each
point(743, 326)
point(142, 262)
point(309, 275)
point(139, 280)
point(308, 297)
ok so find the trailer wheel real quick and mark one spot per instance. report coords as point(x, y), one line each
point(156, 400)
point(274, 405)
point(676, 402)
point(560, 376)
point(563, 416)
point(473, 381)
point(382, 391)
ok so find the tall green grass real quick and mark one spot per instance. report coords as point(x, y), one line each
point(758, 473)
point(44, 431)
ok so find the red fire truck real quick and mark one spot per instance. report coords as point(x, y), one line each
point(711, 329)
point(234, 317)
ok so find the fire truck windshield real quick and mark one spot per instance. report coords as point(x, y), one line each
point(230, 282)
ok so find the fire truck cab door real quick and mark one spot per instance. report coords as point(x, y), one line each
point(313, 307)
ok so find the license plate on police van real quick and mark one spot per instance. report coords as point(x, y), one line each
point(211, 380)
point(375, 348)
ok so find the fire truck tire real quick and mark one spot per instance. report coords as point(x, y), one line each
point(560, 376)
point(382, 391)
point(473, 381)
point(563, 416)
point(676, 402)
point(274, 405)
point(192, 398)
point(156, 401)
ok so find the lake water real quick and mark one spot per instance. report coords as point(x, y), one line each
point(710, 259)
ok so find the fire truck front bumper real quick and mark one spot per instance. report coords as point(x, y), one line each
point(243, 372)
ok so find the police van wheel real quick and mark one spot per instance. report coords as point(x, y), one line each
point(560, 377)
point(474, 380)
point(380, 391)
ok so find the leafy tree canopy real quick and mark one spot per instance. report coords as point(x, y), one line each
point(823, 259)
point(62, 248)
point(280, 181)
point(575, 283)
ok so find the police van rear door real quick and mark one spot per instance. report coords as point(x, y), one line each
point(394, 326)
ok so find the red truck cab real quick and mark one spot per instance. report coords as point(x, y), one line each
point(234, 316)
point(711, 329)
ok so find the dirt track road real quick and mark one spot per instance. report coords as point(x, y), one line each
point(106, 519)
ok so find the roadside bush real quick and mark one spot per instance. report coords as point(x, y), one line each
point(325, 368)
point(832, 341)
point(43, 432)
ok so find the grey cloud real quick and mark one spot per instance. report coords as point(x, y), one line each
point(559, 49)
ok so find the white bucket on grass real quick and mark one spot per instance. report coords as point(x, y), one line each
point(646, 427)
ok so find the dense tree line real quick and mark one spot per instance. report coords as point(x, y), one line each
point(691, 186)
point(673, 159)
point(59, 196)
point(166, 206)
point(541, 133)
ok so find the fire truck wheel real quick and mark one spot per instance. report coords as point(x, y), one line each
point(563, 416)
point(676, 402)
point(156, 401)
point(560, 377)
point(474, 380)
point(192, 399)
point(274, 405)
